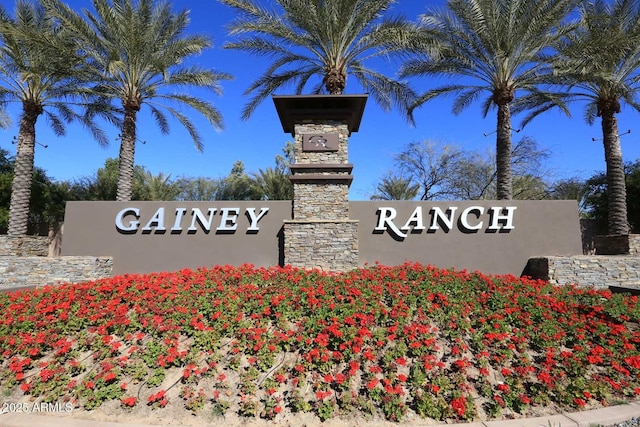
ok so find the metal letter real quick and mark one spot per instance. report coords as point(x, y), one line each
point(464, 218)
point(254, 219)
point(416, 218)
point(439, 215)
point(204, 221)
point(385, 219)
point(228, 222)
point(507, 219)
point(177, 227)
point(156, 220)
point(133, 225)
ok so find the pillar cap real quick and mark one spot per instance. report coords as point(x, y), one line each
point(297, 109)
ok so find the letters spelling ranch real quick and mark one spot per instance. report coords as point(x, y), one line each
point(500, 219)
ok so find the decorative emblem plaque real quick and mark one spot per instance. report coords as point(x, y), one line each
point(322, 142)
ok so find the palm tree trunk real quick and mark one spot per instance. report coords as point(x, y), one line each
point(503, 152)
point(616, 187)
point(23, 176)
point(335, 81)
point(127, 152)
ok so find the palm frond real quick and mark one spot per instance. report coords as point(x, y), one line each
point(311, 38)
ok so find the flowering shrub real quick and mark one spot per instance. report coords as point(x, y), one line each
point(382, 341)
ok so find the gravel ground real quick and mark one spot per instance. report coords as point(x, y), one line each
point(633, 422)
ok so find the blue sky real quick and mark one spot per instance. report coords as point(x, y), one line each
point(257, 141)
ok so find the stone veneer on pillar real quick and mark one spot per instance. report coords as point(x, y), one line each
point(321, 234)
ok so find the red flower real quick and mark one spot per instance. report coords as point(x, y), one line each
point(129, 401)
point(579, 402)
point(322, 394)
point(633, 361)
point(503, 387)
point(46, 375)
point(459, 405)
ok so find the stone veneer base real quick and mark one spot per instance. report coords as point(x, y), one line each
point(326, 245)
point(22, 272)
point(599, 271)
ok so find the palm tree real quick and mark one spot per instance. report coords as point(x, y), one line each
point(272, 184)
point(499, 48)
point(38, 71)
point(600, 64)
point(395, 187)
point(160, 187)
point(137, 51)
point(328, 39)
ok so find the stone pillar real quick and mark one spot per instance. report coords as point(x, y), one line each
point(321, 234)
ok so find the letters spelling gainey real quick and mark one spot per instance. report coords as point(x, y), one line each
point(128, 220)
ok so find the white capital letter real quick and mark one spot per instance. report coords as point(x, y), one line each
point(507, 219)
point(177, 227)
point(229, 220)
point(439, 215)
point(204, 221)
point(415, 218)
point(133, 225)
point(464, 218)
point(385, 219)
point(254, 219)
point(157, 221)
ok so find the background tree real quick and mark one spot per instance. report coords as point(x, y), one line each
point(43, 83)
point(596, 198)
point(137, 52)
point(104, 184)
point(430, 166)
point(447, 172)
point(600, 64)
point(6, 177)
point(237, 185)
point(500, 48)
point(47, 198)
point(197, 189)
point(329, 39)
point(160, 187)
point(394, 186)
point(274, 183)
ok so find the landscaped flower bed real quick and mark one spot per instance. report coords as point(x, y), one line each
point(380, 342)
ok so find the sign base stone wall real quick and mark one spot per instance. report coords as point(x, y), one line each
point(598, 271)
point(327, 245)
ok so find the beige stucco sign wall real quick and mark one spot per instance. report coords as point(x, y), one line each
point(144, 237)
point(494, 237)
